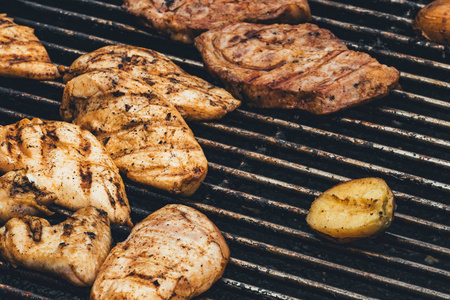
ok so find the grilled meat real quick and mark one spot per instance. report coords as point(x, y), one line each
point(175, 253)
point(20, 196)
point(184, 19)
point(284, 66)
point(74, 249)
point(67, 161)
point(144, 134)
point(22, 54)
point(193, 97)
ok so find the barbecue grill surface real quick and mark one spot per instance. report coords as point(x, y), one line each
point(267, 166)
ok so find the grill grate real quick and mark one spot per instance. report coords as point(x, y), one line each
point(266, 166)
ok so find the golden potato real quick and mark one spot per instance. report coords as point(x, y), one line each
point(433, 21)
point(352, 210)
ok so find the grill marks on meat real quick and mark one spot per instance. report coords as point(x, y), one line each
point(175, 253)
point(144, 134)
point(20, 196)
point(184, 19)
point(22, 54)
point(301, 66)
point(74, 249)
point(193, 97)
point(67, 161)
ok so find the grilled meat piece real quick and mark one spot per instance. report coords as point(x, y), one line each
point(184, 19)
point(20, 196)
point(193, 97)
point(284, 66)
point(175, 253)
point(144, 134)
point(67, 161)
point(22, 54)
point(74, 249)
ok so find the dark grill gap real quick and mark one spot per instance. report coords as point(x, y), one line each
point(266, 166)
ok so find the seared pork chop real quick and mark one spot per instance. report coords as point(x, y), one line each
point(195, 98)
point(22, 54)
point(175, 253)
point(144, 134)
point(67, 161)
point(301, 66)
point(184, 19)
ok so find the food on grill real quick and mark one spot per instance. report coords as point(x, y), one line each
point(175, 253)
point(182, 20)
point(194, 98)
point(352, 210)
point(67, 161)
point(74, 249)
point(22, 54)
point(433, 21)
point(20, 196)
point(144, 134)
point(301, 66)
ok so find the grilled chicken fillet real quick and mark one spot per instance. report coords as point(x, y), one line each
point(193, 97)
point(74, 249)
point(20, 196)
point(22, 54)
point(144, 134)
point(67, 161)
point(184, 19)
point(301, 66)
point(175, 253)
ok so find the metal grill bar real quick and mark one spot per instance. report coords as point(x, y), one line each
point(294, 279)
point(348, 271)
point(394, 37)
point(398, 132)
point(362, 11)
point(327, 155)
point(248, 288)
point(10, 291)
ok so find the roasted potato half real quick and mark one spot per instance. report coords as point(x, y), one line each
point(433, 21)
point(352, 210)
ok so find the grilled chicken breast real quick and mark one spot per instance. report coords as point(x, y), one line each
point(193, 97)
point(67, 161)
point(22, 54)
point(301, 66)
point(20, 196)
point(175, 253)
point(74, 249)
point(144, 134)
point(182, 20)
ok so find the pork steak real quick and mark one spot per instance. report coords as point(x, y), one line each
point(293, 66)
point(182, 20)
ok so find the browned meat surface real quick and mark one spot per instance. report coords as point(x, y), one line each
point(21, 196)
point(22, 54)
point(144, 134)
point(68, 161)
point(175, 253)
point(184, 19)
point(74, 249)
point(195, 98)
point(301, 66)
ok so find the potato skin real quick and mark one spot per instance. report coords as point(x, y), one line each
point(433, 21)
point(352, 210)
